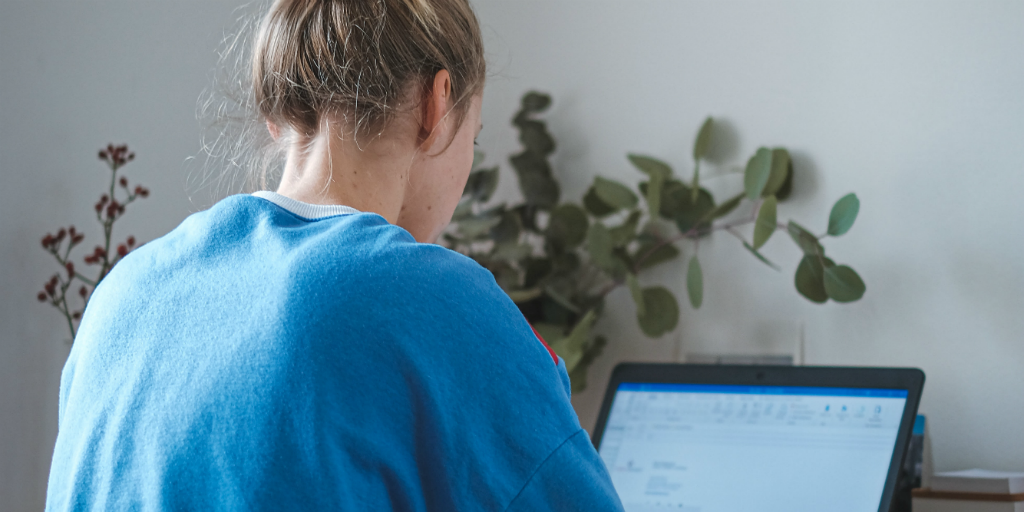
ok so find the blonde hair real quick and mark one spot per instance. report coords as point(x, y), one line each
point(356, 59)
point(353, 60)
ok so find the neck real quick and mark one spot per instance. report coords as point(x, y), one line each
point(371, 177)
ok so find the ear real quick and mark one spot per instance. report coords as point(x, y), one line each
point(275, 132)
point(435, 107)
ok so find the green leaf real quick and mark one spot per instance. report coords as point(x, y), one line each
point(703, 142)
point(476, 226)
point(614, 194)
point(779, 172)
point(595, 205)
point(512, 251)
point(651, 258)
point(661, 312)
point(462, 211)
point(842, 284)
point(626, 232)
point(810, 279)
point(690, 215)
point(599, 244)
point(535, 137)
point(759, 256)
point(727, 207)
point(766, 222)
point(695, 283)
point(550, 332)
point(759, 169)
point(519, 296)
point(570, 348)
point(535, 102)
point(650, 166)
point(481, 184)
point(539, 188)
point(507, 231)
point(578, 376)
point(787, 185)
point(636, 292)
point(567, 226)
point(804, 239)
point(653, 194)
point(536, 269)
point(844, 212)
point(478, 158)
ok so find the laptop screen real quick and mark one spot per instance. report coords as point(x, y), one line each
point(723, 448)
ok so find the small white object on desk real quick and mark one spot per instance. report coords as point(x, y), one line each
point(973, 490)
point(979, 480)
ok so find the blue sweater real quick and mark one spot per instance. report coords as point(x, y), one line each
point(253, 359)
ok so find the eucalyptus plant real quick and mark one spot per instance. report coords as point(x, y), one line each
point(559, 260)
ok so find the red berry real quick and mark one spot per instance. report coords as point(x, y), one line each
point(131, 241)
point(83, 291)
point(122, 250)
point(77, 315)
point(124, 182)
point(70, 267)
point(41, 296)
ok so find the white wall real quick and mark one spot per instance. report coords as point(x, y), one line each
point(916, 106)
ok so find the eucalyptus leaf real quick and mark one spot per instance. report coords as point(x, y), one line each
point(810, 279)
point(538, 187)
point(759, 256)
point(651, 166)
point(766, 222)
point(844, 212)
point(535, 102)
point(518, 296)
point(636, 292)
point(476, 226)
point(599, 244)
point(462, 211)
point(550, 332)
point(481, 184)
point(561, 298)
point(625, 232)
point(570, 348)
point(691, 215)
point(703, 142)
point(787, 185)
point(512, 251)
point(779, 172)
point(595, 205)
point(661, 312)
point(567, 226)
point(695, 283)
point(578, 376)
point(535, 137)
point(614, 193)
point(759, 169)
point(507, 231)
point(650, 254)
point(842, 284)
point(536, 269)
point(804, 239)
point(653, 194)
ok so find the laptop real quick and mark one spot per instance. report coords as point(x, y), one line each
point(716, 438)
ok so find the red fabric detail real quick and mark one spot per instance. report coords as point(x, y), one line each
point(554, 356)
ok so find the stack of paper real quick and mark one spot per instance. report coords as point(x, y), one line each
point(973, 490)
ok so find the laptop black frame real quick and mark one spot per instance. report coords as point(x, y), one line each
point(909, 379)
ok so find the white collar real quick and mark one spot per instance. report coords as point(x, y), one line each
point(305, 210)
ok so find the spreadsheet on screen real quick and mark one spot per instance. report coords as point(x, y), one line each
point(723, 448)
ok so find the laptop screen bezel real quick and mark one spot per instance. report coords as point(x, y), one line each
point(909, 379)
